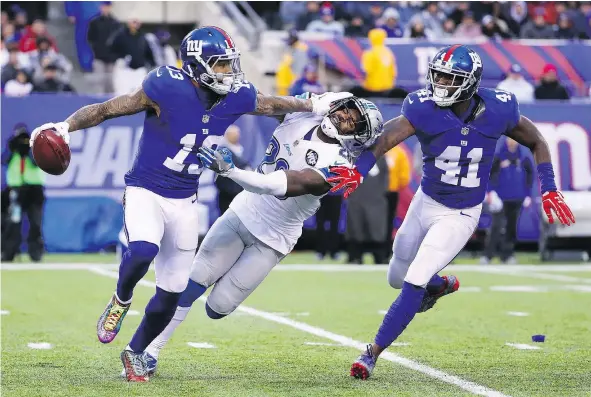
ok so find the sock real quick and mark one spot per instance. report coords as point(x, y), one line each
point(134, 265)
point(436, 284)
point(159, 312)
point(400, 314)
point(161, 340)
point(189, 295)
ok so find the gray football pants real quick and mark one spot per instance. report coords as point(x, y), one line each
point(234, 260)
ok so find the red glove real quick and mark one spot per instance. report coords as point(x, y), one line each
point(346, 177)
point(554, 201)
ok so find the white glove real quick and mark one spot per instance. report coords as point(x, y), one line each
point(321, 103)
point(495, 204)
point(60, 128)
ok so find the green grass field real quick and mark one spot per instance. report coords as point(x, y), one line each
point(263, 349)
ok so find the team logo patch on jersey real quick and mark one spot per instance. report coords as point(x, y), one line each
point(465, 130)
point(205, 119)
point(311, 157)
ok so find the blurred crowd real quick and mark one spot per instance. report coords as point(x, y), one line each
point(421, 19)
point(30, 59)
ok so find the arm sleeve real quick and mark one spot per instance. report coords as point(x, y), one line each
point(274, 183)
point(243, 99)
point(411, 109)
point(514, 114)
point(154, 86)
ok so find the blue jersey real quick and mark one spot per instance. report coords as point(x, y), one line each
point(166, 161)
point(458, 155)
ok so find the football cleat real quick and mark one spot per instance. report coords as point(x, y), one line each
point(364, 365)
point(135, 366)
point(151, 364)
point(452, 284)
point(110, 321)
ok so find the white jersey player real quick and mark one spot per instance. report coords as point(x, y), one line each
point(265, 221)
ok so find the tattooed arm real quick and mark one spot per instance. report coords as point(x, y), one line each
point(122, 105)
point(396, 130)
point(268, 105)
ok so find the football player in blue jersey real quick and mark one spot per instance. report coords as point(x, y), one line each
point(457, 125)
point(185, 109)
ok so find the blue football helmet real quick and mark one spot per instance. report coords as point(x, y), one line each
point(454, 75)
point(205, 47)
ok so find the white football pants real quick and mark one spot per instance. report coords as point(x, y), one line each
point(428, 239)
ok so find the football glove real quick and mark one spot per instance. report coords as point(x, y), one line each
point(60, 128)
point(345, 177)
point(321, 103)
point(219, 161)
point(554, 201)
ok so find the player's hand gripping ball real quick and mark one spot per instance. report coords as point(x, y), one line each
point(49, 144)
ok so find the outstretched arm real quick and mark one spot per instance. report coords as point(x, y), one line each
point(526, 133)
point(282, 183)
point(396, 131)
point(279, 105)
point(122, 105)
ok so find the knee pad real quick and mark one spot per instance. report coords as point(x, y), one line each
point(191, 293)
point(396, 272)
point(142, 251)
point(213, 314)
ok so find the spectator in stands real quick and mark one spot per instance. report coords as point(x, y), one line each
point(374, 18)
point(516, 84)
point(134, 57)
point(308, 82)
point(51, 82)
point(21, 21)
point(19, 86)
point(9, 33)
point(449, 28)
point(550, 87)
point(433, 18)
point(379, 65)
point(227, 188)
point(163, 52)
point(391, 24)
point(45, 55)
point(311, 14)
point(16, 61)
point(356, 28)
point(458, 14)
point(516, 16)
point(326, 24)
point(80, 13)
point(29, 41)
point(299, 53)
point(366, 223)
point(284, 76)
point(289, 11)
point(416, 29)
point(511, 177)
point(494, 28)
point(538, 28)
point(469, 28)
point(399, 177)
point(100, 38)
point(4, 19)
point(565, 29)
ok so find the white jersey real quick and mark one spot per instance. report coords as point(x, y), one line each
point(295, 145)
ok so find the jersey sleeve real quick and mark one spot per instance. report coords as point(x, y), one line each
point(242, 99)
point(513, 113)
point(414, 105)
point(159, 84)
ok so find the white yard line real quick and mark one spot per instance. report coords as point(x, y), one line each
point(201, 345)
point(40, 345)
point(523, 346)
point(518, 314)
point(471, 387)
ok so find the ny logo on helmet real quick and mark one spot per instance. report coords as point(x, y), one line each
point(194, 48)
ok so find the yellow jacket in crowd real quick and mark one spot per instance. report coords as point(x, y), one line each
point(399, 169)
point(378, 63)
point(284, 76)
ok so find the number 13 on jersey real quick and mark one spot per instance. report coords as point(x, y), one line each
point(449, 161)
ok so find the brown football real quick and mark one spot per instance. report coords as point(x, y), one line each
point(51, 152)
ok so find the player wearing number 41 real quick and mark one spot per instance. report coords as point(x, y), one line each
point(185, 108)
point(457, 125)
